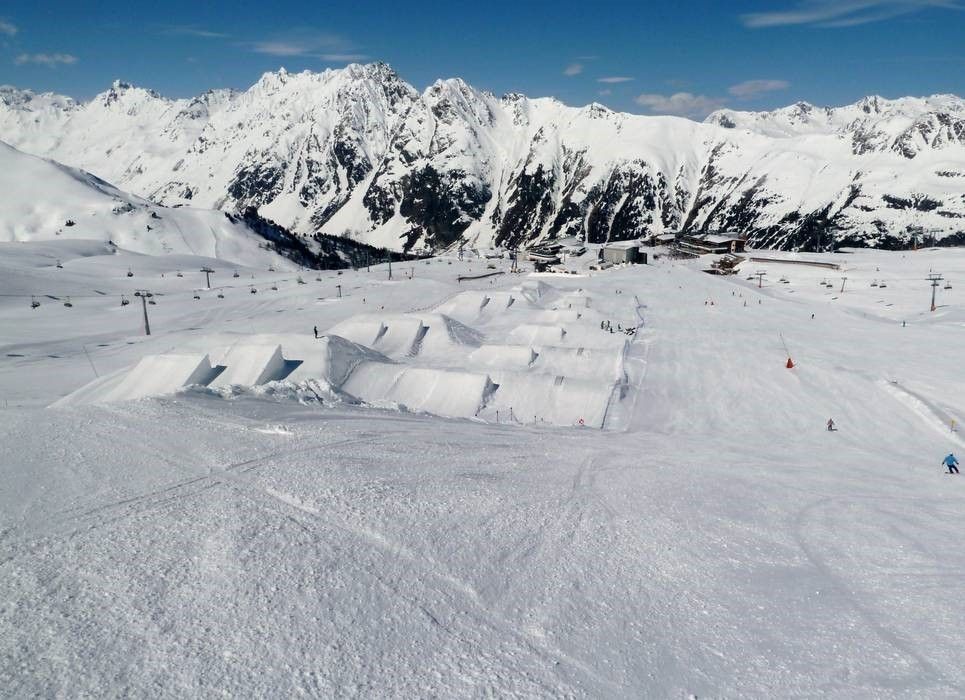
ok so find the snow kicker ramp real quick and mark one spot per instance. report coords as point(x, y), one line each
point(251, 365)
point(332, 359)
point(450, 393)
point(154, 375)
point(605, 365)
point(518, 357)
point(408, 335)
point(537, 334)
point(525, 397)
point(471, 305)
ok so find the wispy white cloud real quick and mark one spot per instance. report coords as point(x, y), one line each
point(342, 57)
point(187, 30)
point(310, 43)
point(843, 13)
point(8, 28)
point(604, 92)
point(751, 88)
point(614, 79)
point(683, 104)
point(51, 60)
point(573, 69)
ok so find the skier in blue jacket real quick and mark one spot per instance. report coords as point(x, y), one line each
point(952, 463)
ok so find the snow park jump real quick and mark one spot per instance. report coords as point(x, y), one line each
point(453, 395)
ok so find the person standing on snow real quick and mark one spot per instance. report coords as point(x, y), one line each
point(952, 463)
point(830, 424)
point(316, 331)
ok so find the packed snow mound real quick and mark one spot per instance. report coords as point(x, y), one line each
point(441, 392)
point(469, 306)
point(537, 334)
point(251, 365)
point(154, 375)
point(332, 359)
point(528, 397)
point(44, 200)
point(503, 356)
point(604, 365)
point(395, 335)
point(408, 335)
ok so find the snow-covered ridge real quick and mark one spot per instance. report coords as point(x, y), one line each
point(359, 152)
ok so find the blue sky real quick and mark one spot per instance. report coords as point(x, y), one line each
point(662, 57)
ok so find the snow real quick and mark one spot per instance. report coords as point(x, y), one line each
point(713, 539)
point(251, 364)
point(272, 145)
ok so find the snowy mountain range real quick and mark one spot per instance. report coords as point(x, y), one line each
point(44, 200)
point(358, 152)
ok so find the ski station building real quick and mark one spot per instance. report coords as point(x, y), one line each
point(712, 243)
point(623, 252)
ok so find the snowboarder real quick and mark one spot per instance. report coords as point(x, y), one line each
point(952, 463)
point(830, 424)
point(316, 332)
point(812, 317)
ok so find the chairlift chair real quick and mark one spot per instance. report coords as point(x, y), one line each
point(274, 287)
point(254, 291)
point(34, 303)
point(948, 285)
point(271, 268)
point(220, 295)
point(59, 265)
point(874, 283)
point(237, 274)
point(180, 274)
point(124, 300)
point(882, 285)
point(68, 304)
point(151, 301)
point(197, 296)
point(130, 273)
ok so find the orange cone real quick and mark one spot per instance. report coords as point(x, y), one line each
point(790, 363)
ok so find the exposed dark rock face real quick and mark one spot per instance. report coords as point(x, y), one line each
point(319, 251)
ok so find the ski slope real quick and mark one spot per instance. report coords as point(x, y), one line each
point(367, 525)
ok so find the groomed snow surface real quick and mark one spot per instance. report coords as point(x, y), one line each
point(409, 507)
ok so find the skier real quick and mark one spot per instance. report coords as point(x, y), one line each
point(952, 463)
point(316, 332)
point(830, 424)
